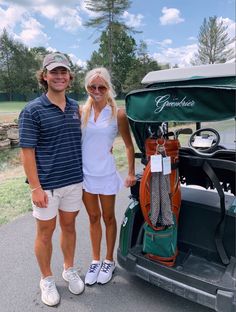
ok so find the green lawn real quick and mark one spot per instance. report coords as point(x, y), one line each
point(16, 107)
point(14, 199)
point(11, 107)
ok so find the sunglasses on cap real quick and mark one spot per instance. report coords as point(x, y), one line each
point(100, 88)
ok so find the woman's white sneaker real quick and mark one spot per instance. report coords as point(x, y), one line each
point(106, 272)
point(49, 293)
point(93, 271)
point(76, 285)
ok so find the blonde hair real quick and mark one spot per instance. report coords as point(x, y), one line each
point(102, 73)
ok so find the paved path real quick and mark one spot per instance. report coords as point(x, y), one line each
point(19, 276)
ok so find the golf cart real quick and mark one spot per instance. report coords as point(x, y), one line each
point(178, 231)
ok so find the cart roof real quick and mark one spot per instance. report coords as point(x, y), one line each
point(179, 96)
point(189, 73)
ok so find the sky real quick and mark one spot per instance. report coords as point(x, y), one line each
point(169, 27)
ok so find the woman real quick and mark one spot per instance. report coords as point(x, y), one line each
point(101, 121)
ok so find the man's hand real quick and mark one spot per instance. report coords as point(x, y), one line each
point(40, 198)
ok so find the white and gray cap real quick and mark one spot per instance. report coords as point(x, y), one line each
point(54, 60)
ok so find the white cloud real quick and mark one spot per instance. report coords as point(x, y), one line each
point(69, 20)
point(77, 61)
point(50, 49)
point(162, 43)
point(170, 16)
point(32, 34)
point(231, 26)
point(166, 42)
point(49, 11)
point(82, 6)
point(132, 20)
point(64, 17)
point(181, 56)
point(10, 17)
point(32, 3)
point(192, 38)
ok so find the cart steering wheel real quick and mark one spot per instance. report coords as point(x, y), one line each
point(204, 142)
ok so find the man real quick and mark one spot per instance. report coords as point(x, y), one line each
point(50, 139)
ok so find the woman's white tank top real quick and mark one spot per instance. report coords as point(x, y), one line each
point(97, 141)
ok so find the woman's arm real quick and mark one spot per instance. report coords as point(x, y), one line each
point(124, 130)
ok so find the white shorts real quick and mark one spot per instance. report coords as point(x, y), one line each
point(105, 185)
point(67, 198)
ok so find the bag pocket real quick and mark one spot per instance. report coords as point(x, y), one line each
point(162, 243)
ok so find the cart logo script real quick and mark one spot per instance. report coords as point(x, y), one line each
point(166, 101)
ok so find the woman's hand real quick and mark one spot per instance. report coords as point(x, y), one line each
point(130, 180)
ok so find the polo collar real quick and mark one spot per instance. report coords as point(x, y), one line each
point(47, 102)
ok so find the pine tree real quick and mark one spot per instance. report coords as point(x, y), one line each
point(213, 43)
point(107, 19)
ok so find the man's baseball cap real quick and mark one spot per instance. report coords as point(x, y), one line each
point(54, 60)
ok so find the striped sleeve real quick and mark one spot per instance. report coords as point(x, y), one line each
point(28, 129)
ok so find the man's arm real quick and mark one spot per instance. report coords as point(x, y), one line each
point(39, 197)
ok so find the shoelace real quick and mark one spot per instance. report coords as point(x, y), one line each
point(50, 285)
point(93, 267)
point(72, 274)
point(106, 267)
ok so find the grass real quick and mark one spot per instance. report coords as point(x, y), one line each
point(11, 107)
point(9, 111)
point(14, 199)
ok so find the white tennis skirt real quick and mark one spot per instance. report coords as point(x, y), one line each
point(104, 185)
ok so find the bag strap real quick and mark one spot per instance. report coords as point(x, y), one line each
point(221, 225)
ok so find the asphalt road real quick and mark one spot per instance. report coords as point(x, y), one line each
point(19, 276)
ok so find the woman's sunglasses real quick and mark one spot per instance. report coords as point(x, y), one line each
point(99, 88)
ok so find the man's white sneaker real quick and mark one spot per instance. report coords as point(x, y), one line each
point(106, 272)
point(76, 285)
point(92, 274)
point(49, 293)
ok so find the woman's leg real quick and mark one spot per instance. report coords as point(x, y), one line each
point(93, 209)
point(108, 212)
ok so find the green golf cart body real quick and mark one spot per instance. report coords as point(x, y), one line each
point(205, 267)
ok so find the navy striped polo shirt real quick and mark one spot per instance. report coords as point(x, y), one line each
point(56, 137)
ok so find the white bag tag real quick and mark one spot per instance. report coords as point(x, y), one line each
point(156, 160)
point(156, 163)
point(166, 162)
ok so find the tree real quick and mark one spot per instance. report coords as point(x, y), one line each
point(17, 67)
point(123, 57)
point(142, 65)
point(213, 43)
point(77, 86)
point(6, 68)
point(107, 19)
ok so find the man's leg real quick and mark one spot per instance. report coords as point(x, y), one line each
point(43, 245)
point(68, 236)
point(46, 223)
point(68, 243)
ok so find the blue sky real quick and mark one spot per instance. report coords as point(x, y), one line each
point(170, 28)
